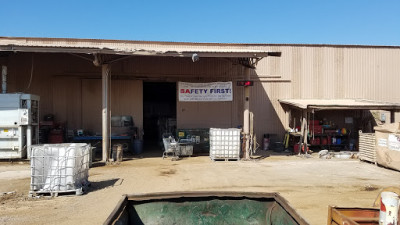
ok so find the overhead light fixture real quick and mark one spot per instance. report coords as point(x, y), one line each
point(195, 57)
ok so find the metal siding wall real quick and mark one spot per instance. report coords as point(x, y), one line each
point(127, 99)
point(324, 72)
point(193, 114)
point(67, 101)
point(269, 116)
point(303, 72)
point(91, 105)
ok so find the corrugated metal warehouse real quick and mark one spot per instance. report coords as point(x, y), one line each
point(144, 78)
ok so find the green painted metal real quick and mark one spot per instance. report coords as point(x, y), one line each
point(205, 211)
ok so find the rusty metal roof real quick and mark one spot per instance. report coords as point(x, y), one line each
point(237, 45)
point(327, 104)
point(93, 46)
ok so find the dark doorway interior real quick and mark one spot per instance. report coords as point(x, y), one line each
point(159, 112)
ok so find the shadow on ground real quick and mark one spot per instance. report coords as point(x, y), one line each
point(98, 185)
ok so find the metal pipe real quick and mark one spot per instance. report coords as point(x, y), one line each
point(246, 114)
point(106, 75)
point(392, 116)
point(21, 142)
point(28, 140)
point(4, 79)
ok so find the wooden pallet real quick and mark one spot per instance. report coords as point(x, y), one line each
point(367, 149)
point(225, 159)
point(51, 193)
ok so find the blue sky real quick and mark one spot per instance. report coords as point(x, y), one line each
point(364, 22)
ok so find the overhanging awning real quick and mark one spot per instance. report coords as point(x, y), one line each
point(333, 104)
point(139, 48)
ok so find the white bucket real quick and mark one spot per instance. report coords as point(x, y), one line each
point(388, 214)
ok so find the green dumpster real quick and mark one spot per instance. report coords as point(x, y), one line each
point(204, 208)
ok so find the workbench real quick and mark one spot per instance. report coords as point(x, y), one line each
point(92, 138)
point(96, 140)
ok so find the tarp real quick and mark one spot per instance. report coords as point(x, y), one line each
point(388, 145)
point(205, 92)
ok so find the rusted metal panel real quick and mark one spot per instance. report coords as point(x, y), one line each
point(63, 45)
point(353, 216)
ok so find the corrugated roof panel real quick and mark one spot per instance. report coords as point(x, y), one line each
point(107, 46)
point(339, 103)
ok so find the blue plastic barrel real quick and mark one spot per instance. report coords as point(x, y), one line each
point(137, 146)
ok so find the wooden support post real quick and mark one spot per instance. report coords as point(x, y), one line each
point(105, 78)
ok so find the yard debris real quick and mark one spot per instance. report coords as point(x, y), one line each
point(324, 154)
point(7, 193)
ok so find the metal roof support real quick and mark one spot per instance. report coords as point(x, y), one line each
point(4, 79)
point(288, 115)
point(248, 64)
point(105, 80)
point(246, 114)
point(392, 116)
point(303, 133)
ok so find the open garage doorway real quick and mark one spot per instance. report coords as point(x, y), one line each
point(159, 114)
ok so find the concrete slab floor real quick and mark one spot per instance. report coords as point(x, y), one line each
point(309, 184)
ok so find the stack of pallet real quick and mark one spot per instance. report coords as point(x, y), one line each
point(367, 149)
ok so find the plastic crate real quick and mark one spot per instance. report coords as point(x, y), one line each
point(224, 143)
point(59, 168)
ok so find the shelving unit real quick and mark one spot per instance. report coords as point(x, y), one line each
point(294, 138)
point(330, 145)
point(305, 116)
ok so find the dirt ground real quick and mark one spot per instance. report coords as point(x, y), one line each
point(309, 184)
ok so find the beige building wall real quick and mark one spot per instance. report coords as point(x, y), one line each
point(69, 86)
point(322, 72)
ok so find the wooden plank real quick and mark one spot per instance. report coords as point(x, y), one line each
point(365, 220)
point(329, 215)
point(339, 218)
